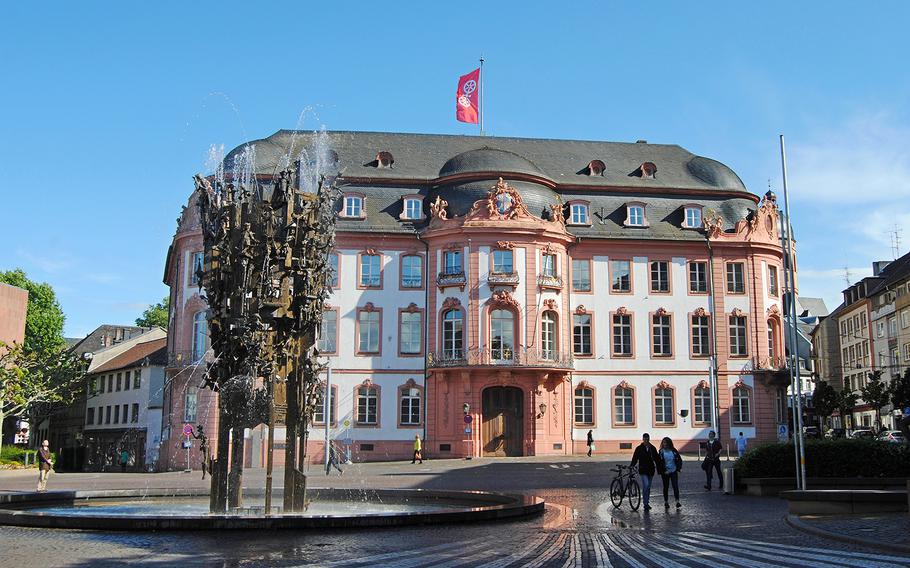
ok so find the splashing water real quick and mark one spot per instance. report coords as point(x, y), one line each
point(316, 161)
point(214, 164)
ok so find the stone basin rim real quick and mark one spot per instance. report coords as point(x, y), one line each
point(478, 506)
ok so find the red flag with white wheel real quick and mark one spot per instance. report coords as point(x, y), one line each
point(467, 103)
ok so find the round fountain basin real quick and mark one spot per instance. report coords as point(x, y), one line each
point(169, 509)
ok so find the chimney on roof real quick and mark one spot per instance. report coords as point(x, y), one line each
point(878, 266)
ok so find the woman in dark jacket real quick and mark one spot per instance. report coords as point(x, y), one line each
point(590, 442)
point(669, 465)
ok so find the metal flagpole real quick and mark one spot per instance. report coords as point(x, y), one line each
point(326, 409)
point(481, 96)
point(795, 377)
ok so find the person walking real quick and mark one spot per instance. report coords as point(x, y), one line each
point(417, 446)
point(44, 466)
point(740, 444)
point(333, 460)
point(590, 442)
point(646, 458)
point(712, 461)
point(124, 460)
point(669, 466)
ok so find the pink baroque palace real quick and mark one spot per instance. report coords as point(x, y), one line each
point(505, 296)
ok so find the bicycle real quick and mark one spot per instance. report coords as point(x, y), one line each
point(624, 486)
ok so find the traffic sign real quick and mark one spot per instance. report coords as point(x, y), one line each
point(468, 418)
point(782, 432)
point(187, 429)
point(347, 423)
point(467, 430)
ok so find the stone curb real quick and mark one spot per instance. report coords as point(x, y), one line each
point(801, 525)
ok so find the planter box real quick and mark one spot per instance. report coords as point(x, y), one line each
point(845, 501)
point(773, 486)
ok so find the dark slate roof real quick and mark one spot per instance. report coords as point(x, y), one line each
point(423, 162)
point(92, 342)
point(815, 306)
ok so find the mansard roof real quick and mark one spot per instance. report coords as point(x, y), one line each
point(463, 168)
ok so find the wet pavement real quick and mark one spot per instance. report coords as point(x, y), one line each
point(580, 526)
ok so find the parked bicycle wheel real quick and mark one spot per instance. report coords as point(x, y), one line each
point(633, 494)
point(616, 492)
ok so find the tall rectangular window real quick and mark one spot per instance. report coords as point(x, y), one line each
point(698, 277)
point(331, 277)
point(198, 267)
point(772, 280)
point(328, 332)
point(368, 340)
point(116, 414)
point(410, 406)
point(736, 283)
point(319, 409)
point(137, 379)
point(90, 416)
point(701, 412)
point(581, 275)
point(452, 262)
point(581, 334)
point(110, 383)
point(663, 406)
point(503, 262)
point(135, 415)
point(548, 267)
point(411, 271)
point(660, 276)
point(410, 333)
point(578, 214)
point(738, 346)
point(119, 381)
point(620, 276)
point(452, 335)
point(107, 414)
point(548, 335)
point(189, 405)
point(701, 340)
point(622, 335)
point(370, 271)
point(661, 335)
point(624, 405)
point(367, 405)
point(584, 407)
point(742, 406)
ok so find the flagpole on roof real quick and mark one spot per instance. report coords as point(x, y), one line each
point(481, 95)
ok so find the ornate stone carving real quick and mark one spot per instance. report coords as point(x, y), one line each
point(663, 385)
point(739, 383)
point(503, 202)
point(368, 382)
point(369, 252)
point(505, 245)
point(622, 311)
point(713, 222)
point(549, 248)
point(624, 384)
point(703, 384)
point(581, 310)
point(557, 214)
point(410, 383)
point(549, 304)
point(369, 307)
point(504, 299)
point(451, 303)
point(584, 385)
point(738, 313)
point(773, 311)
point(661, 312)
point(412, 307)
point(700, 312)
point(438, 209)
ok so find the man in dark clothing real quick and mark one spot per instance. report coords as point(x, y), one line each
point(712, 460)
point(44, 465)
point(645, 457)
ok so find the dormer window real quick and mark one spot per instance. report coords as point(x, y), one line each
point(412, 208)
point(596, 168)
point(693, 218)
point(635, 215)
point(353, 207)
point(384, 160)
point(578, 213)
point(646, 171)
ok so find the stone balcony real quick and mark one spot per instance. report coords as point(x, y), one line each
point(451, 278)
point(503, 279)
point(551, 281)
point(520, 357)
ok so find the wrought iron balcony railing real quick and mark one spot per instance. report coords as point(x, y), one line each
point(444, 279)
point(777, 363)
point(519, 357)
point(503, 279)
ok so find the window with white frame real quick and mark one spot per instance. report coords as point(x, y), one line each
point(905, 319)
point(661, 335)
point(880, 329)
point(624, 405)
point(906, 351)
point(698, 277)
point(892, 327)
point(738, 346)
point(701, 412)
point(453, 335)
point(620, 276)
point(622, 335)
point(584, 406)
point(410, 406)
point(548, 335)
point(772, 340)
point(663, 406)
point(693, 217)
point(578, 214)
point(411, 271)
point(772, 280)
point(198, 266)
point(581, 275)
point(736, 283)
point(636, 216)
point(200, 333)
point(700, 336)
point(353, 206)
point(367, 405)
point(548, 265)
point(581, 334)
point(742, 406)
point(452, 262)
point(503, 262)
point(410, 333)
point(319, 409)
point(328, 332)
point(370, 271)
point(368, 330)
point(660, 276)
point(413, 208)
point(502, 334)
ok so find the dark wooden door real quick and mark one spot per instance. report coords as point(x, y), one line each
point(502, 432)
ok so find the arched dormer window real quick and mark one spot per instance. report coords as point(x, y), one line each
point(596, 168)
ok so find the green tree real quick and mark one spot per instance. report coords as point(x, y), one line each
point(34, 382)
point(876, 393)
point(44, 317)
point(156, 315)
point(846, 400)
point(900, 390)
point(824, 399)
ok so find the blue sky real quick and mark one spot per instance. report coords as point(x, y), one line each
point(107, 109)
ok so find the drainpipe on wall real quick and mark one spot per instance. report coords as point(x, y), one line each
point(426, 328)
point(569, 323)
point(715, 399)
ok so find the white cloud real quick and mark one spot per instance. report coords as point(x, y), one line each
point(51, 265)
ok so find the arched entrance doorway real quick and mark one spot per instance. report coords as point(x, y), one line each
point(502, 431)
